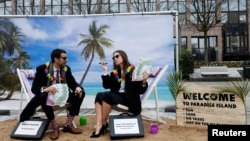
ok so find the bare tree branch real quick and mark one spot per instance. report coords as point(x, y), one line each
point(204, 15)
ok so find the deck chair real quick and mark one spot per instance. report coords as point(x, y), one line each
point(26, 77)
point(152, 87)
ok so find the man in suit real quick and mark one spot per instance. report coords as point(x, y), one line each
point(42, 85)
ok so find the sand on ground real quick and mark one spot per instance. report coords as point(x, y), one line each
point(167, 132)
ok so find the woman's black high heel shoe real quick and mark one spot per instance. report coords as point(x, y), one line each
point(102, 131)
point(105, 127)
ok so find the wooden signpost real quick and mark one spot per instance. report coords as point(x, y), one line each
point(202, 106)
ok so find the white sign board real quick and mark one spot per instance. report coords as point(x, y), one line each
point(126, 126)
point(28, 128)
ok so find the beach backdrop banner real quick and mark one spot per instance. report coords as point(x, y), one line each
point(202, 106)
point(140, 35)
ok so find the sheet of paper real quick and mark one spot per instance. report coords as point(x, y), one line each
point(28, 128)
point(126, 126)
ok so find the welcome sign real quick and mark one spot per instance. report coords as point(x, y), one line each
point(202, 106)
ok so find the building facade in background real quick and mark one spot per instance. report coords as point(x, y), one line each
point(228, 40)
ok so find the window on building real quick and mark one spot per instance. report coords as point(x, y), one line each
point(2, 8)
point(168, 5)
point(183, 42)
point(144, 6)
point(182, 6)
point(213, 49)
point(234, 11)
point(202, 11)
point(193, 18)
point(224, 7)
point(208, 6)
point(198, 48)
point(235, 39)
point(233, 6)
point(124, 7)
point(242, 5)
point(114, 6)
point(120, 6)
point(8, 9)
point(233, 17)
point(224, 18)
point(27, 7)
point(236, 44)
point(197, 52)
point(242, 18)
point(48, 7)
point(105, 6)
point(77, 7)
point(171, 5)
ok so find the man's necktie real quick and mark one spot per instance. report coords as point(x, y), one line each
point(57, 76)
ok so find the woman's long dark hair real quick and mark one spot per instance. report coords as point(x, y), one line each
point(126, 63)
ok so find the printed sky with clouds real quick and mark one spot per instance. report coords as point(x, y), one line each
point(148, 36)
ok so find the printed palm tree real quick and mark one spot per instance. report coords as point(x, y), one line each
point(4, 26)
point(10, 39)
point(93, 44)
point(13, 40)
point(4, 69)
point(10, 36)
point(21, 60)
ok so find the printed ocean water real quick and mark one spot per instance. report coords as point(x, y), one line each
point(163, 93)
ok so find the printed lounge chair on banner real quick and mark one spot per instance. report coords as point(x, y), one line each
point(26, 76)
point(152, 87)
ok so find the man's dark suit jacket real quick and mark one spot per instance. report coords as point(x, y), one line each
point(41, 80)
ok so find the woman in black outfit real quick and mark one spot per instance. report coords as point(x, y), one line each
point(122, 91)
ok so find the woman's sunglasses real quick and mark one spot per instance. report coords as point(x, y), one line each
point(115, 57)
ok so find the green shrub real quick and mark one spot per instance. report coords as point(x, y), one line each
point(186, 63)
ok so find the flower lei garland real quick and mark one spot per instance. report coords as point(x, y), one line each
point(115, 72)
point(52, 78)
